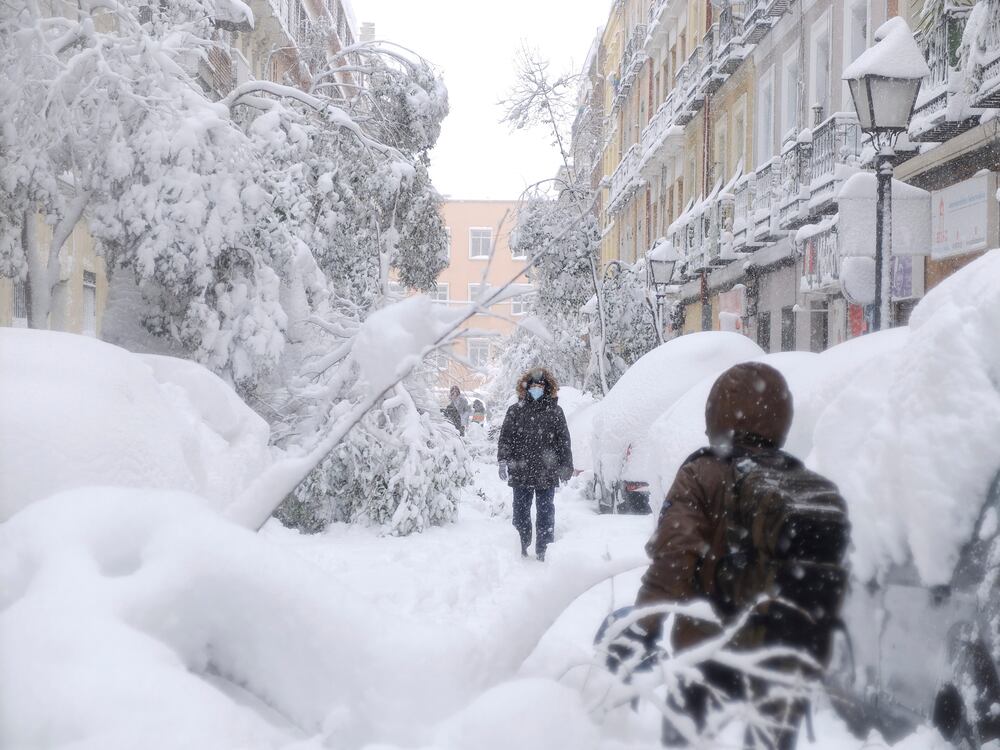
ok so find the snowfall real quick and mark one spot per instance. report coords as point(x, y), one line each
point(135, 613)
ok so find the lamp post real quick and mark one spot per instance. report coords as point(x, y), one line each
point(884, 82)
point(660, 264)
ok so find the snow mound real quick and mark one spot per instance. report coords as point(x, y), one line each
point(86, 413)
point(653, 384)
point(912, 440)
point(580, 409)
point(507, 717)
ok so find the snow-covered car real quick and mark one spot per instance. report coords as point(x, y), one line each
point(647, 390)
point(912, 441)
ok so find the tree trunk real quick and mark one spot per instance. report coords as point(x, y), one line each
point(39, 293)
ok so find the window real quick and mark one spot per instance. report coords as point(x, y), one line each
point(740, 131)
point(480, 242)
point(479, 352)
point(764, 330)
point(819, 330)
point(19, 305)
point(397, 289)
point(787, 329)
point(855, 36)
point(790, 92)
point(519, 252)
point(477, 290)
point(90, 303)
point(765, 118)
point(819, 91)
point(518, 305)
point(439, 293)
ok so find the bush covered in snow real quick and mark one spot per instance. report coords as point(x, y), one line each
point(400, 468)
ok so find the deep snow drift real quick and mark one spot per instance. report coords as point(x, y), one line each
point(79, 412)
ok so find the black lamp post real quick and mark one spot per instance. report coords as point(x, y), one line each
point(884, 83)
point(660, 264)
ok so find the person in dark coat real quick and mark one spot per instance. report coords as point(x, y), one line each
point(534, 454)
point(748, 414)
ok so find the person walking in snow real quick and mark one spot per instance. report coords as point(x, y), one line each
point(461, 404)
point(533, 455)
point(748, 528)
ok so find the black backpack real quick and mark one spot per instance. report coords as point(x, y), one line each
point(783, 536)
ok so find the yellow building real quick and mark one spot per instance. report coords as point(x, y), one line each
point(479, 253)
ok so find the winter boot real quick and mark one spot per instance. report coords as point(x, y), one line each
point(540, 555)
point(524, 550)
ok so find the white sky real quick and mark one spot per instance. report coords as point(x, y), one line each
point(474, 42)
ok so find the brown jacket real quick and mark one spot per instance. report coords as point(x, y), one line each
point(749, 409)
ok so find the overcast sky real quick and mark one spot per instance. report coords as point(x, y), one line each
point(474, 43)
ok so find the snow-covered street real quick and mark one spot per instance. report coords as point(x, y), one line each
point(163, 625)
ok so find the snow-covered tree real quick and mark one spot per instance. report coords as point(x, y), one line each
point(629, 322)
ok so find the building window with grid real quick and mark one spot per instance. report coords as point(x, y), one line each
point(439, 293)
point(479, 352)
point(480, 242)
point(19, 305)
point(519, 305)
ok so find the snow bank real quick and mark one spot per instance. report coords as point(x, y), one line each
point(82, 412)
point(814, 380)
point(580, 409)
point(912, 440)
point(653, 384)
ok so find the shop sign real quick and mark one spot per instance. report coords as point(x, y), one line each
point(958, 217)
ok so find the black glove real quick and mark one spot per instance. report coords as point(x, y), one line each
point(632, 651)
point(502, 470)
point(565, 473)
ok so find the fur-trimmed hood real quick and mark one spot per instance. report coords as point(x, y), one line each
point(536, 373)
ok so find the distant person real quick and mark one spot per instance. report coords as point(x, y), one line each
point(478, 412)
point(534, 455)
point(461, 404)
point(747, 527)
point(451, 414)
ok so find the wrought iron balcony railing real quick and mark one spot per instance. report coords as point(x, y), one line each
point(986, 66)
point(836, 151)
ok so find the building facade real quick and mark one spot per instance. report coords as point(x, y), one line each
point(730, 132)
point(479, 259)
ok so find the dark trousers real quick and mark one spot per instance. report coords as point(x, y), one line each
point(545, 515)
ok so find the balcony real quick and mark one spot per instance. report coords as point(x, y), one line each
point(683, 83)
point(986, 69)
point(709, 78)
point(730, 51)
point(633, 57)
point(934, 117)
point(821, 257)
point(661, 139)
point(765, 220)
point(836, 150)
point(743, 214)
point(625, 179)
point(776, 8)
point(661, 12)
point(757, 23)
point(793, 186)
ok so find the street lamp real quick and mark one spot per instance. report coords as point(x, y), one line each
point(660, 264)
point(884, 82)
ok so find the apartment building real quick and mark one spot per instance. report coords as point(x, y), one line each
point(730, 132)
point(479, 259)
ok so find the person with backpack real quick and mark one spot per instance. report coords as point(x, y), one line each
point(533, 455)
point(747, 527)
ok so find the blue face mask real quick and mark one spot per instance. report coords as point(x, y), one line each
point(536, 391)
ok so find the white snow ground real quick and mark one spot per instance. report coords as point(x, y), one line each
point(140, 618)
